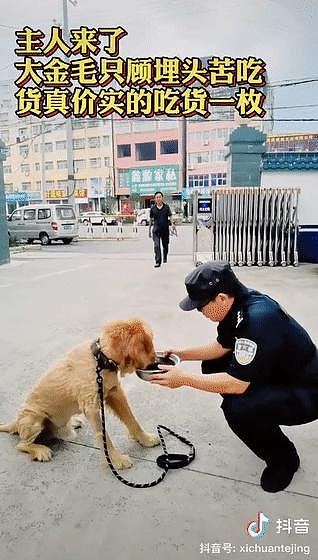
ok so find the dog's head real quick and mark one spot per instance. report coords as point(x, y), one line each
point(129, 343)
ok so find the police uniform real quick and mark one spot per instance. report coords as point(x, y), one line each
point(272, 352)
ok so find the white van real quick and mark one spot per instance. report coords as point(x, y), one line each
point(46, 222)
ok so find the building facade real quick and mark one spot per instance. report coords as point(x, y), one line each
point(117, 165)
point(291, 160)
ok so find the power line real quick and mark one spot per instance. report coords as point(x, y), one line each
point(294, 107)
point(295, 83)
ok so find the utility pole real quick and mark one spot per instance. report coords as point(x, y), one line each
point(114, 174)
point(4, 238)
point(184, 163)
point(43, 185)
point(69, 132)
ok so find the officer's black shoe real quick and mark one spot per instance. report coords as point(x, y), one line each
point(157, 265)
point(278, 476)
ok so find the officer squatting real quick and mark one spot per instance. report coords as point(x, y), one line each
point(263, 363)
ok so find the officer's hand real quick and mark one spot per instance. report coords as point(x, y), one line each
point(171, 377)
point(174, 351)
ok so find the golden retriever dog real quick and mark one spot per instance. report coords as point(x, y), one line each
point(69, 388)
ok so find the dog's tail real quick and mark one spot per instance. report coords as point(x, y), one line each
point(11, 428)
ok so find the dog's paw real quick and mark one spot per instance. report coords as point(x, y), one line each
point(122, 462)
point(42, 454)
point(148, 440)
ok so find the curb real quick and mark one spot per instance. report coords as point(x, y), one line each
point(104, 238)
point(25, 248)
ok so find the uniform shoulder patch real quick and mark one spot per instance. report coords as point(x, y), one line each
point(244, 351)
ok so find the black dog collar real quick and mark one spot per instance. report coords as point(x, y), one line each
point(103, 362)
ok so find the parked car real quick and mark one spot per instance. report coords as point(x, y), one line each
point(46, 222)
point(97, 218)
point(143, 217)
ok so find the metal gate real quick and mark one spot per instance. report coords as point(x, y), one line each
point(246, 226)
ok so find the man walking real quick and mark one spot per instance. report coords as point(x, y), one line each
point(160, 219)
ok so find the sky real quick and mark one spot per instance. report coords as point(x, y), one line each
point(281, 32)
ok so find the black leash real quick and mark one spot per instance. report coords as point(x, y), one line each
point(167, 460)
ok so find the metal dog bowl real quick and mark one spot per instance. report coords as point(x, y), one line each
point(161, 359)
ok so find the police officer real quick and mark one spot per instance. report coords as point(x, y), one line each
point(263, 363)
point(160, 219)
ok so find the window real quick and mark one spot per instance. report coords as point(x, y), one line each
point(36, 147)
point(200, 137)
point(37, 166)
point(166, 124)
point(198, 157)
point(62, 185)
point(38, 185)
point(8, 151)
point(223, 133)
point(106, 140)
point(123, 178)
point(44, 213)
point(22, 132)
point(95, 162)
point(29, 214)
point(23, 150)
point(146, 151)
point(36, 129)
point(48, 165)
point(218, 179)
point(122, 127)
point(223, 114)
point(60, 145)
point(4, 135)
point(49, 184)
point(95, 181)
point(48, 147)
point(218, 155)
point(65, 213)
point(92, 123)
point(198, 181)
point(8, 187)
point(93, 142)
point(61, 164)
point(79, 164)
point(16, 216)
point(6, 103)
point(76, 124)
point(7, 169)
point(25, 168)
point(78, 143)
point(123, 150)
point(26, 186)
point(141, 126)
point(80, 183)
point(107, 161)
point(169, 147)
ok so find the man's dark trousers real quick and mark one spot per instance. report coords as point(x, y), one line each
point(255, 415)
point(161, 236)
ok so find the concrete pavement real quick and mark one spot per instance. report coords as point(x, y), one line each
point(72, 508)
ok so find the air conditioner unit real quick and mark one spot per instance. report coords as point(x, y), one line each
point(206, 143)
point(190, 167)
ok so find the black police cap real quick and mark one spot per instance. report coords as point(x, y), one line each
point(206, 281)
